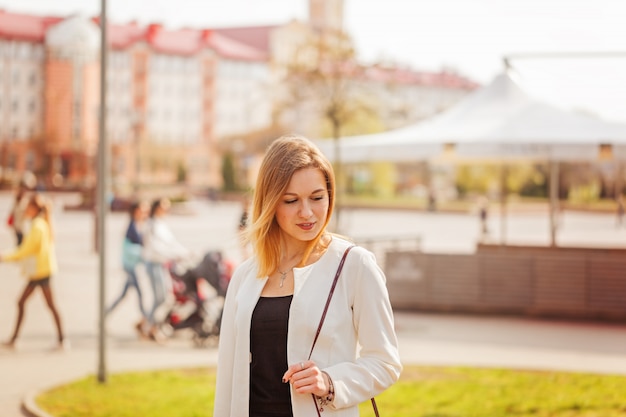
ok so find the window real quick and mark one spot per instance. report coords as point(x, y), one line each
point(20, 51)
point(30, 160)
point(38, 53)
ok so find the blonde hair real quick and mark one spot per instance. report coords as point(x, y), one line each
point(44, 209)
point(285, 156)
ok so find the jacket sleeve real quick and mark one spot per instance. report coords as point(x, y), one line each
point(226, 351)
point(378, 365)
point(30, 246)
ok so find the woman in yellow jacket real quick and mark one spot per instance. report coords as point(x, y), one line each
point(39, 263)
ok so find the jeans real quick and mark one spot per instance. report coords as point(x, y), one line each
point(158, 280)
point(131, 282)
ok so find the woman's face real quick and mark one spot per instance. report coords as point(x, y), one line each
point(141, 212)
point(301, 213)
point(162, 208)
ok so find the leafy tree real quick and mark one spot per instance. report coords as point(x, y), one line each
point(228, 172)
point(322, 78)
point(520, 178)
point(181, 172)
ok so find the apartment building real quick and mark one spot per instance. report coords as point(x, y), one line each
point(177, 99)
point(163, 89)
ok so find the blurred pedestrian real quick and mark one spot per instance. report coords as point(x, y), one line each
point(160, 248)
point(132, 248)
point(269, 363)
point(16, 216)
point(432, 200)
point(242, 226)
point(39, 264)
point(620, 210)
point(483, 213)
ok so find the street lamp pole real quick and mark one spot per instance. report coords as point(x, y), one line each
point(101, 199)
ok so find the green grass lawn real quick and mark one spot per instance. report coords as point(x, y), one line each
point(421, 392)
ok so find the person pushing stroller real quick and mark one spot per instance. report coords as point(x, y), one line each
point(160, 247)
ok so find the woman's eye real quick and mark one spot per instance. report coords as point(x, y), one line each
point(318, 198)
point(290, 201)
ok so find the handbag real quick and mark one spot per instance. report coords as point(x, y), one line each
point(319, 327)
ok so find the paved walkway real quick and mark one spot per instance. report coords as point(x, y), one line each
point(424, 338)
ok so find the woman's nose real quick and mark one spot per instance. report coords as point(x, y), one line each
point(305, 210)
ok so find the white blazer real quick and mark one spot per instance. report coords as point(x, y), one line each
point(357, 345)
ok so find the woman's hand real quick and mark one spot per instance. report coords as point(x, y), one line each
point(306, 378)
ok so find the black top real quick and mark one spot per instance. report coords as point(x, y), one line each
point(269, 396)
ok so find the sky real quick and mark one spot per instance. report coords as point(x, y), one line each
point(470, 37)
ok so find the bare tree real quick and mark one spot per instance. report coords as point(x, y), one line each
point(323, 82)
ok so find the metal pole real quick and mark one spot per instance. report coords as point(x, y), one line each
point(554, 200)
point(619, 179)
point(101, 199)
point(566, 55)
point(503, 197)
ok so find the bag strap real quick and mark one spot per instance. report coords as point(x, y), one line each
point(319, 327)
point(375, 407)
point(330, 296)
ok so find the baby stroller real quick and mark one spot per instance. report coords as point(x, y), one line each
point(198, 298)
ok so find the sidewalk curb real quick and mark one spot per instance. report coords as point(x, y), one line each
point(30, 407)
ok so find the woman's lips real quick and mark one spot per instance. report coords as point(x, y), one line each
point(306, 226)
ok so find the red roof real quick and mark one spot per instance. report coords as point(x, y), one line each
point(230, 48)
point(241, 43)
point(444, 79)
point(191, 41)
point(179, 42)
point(121, 36)
point(257, 37)
point(25, 27)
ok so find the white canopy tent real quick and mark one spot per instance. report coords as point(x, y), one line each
point(499, 121)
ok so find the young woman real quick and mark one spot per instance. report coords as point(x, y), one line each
point(131, 258)
point(160, 247)
point(39, 263)
point(276, 298)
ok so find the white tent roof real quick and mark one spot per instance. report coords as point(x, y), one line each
point(497, 120)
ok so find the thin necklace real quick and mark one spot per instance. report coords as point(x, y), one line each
point(283, 275)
